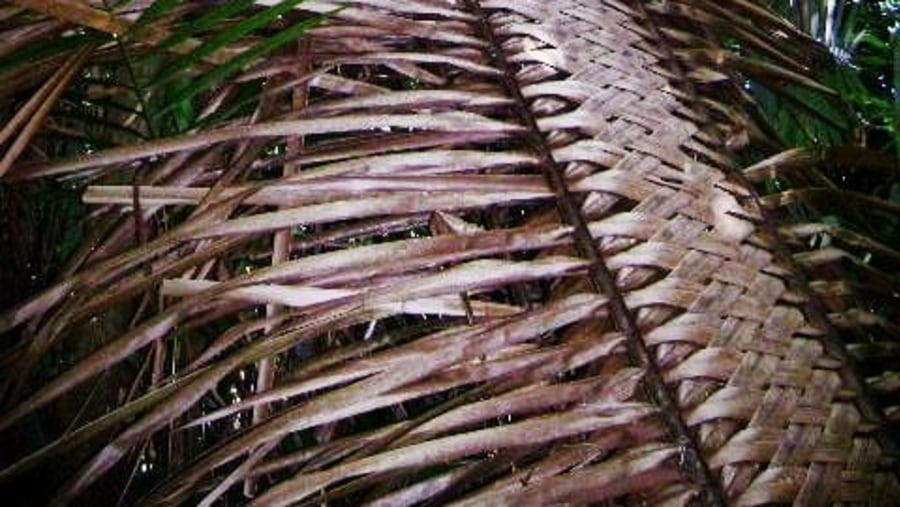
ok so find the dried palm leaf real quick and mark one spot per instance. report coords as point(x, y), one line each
point(482, 252)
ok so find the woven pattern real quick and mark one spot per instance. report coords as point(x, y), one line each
point(415, 192)
point(769, 408)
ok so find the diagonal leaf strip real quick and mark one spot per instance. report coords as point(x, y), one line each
point(601, 277)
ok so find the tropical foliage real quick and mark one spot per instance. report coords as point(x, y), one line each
point(426, 251)
point(862, 37)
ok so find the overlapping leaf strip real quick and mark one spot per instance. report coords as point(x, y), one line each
point(430, 333)
point(832, 202)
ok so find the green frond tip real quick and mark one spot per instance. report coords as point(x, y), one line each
point(205, 22)
point(221, 40)
point(240, 61)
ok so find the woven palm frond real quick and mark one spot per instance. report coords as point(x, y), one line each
point(486, 252)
